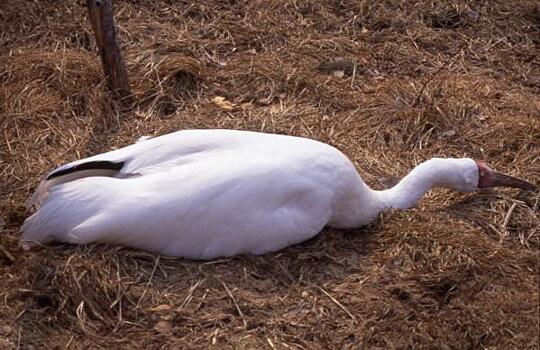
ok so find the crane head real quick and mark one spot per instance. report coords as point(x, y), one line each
point(488, 177)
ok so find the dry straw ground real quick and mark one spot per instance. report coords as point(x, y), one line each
point(415, 79)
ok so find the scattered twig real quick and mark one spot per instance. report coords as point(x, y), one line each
point(353, 74)
point(270, 343)
point(190, 292)
point(149, 281)
point(18, 338)
point(7, 254)
point(508, 214)
point(334, 300)
point(235, 303)
point(68, 344)
point(444, 65)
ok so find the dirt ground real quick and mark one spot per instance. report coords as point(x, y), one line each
point(390, 83)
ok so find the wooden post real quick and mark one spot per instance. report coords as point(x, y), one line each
point(101, 17)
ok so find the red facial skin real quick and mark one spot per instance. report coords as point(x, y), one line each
point(484, 175)
point(491, 178)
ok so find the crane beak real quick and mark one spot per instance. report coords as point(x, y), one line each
point(497, 179)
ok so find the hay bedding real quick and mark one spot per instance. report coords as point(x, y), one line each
point(390, 83)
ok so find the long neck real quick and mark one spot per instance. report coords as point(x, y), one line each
point(359, 205)
point(436, 172)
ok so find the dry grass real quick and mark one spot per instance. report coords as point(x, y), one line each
point(420, 79)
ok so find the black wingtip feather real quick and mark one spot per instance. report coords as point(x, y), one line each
point(97, 164)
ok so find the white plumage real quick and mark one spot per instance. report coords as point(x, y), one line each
point(202, 194)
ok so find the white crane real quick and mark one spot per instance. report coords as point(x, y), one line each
point(202, 194)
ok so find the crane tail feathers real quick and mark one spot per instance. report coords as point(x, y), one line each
point(59, 219)
point(39, 228)
point(70, 173)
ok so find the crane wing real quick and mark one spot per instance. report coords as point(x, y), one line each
point(221, 205)
point(146, 155)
